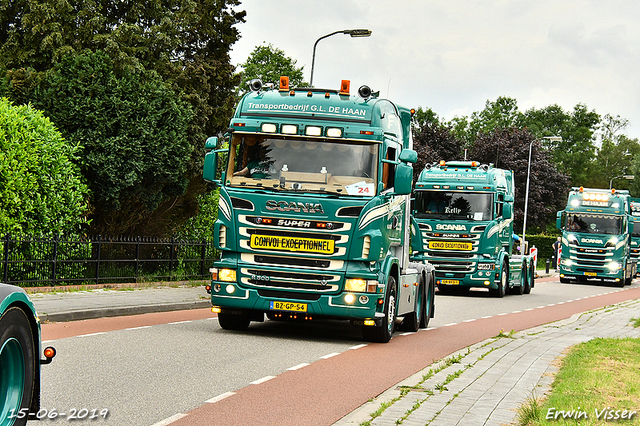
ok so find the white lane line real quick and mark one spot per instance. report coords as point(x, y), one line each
point(329, 355)
point(264, 379)
point(220, 397)
point(402, 334)
point(169, 420)
point(358, 346)
point(516, 312)
point(470, 320)
point(504, 313)
point(298, 367)
point(138, 328)
point(450, 324)
point(179, 322)
point(92, 334)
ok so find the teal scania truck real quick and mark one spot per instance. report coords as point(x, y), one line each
point(19, 358)
point(314, 212)
point(464, 211)
point(596, 230)
point(635, 232)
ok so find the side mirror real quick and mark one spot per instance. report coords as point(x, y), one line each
point(408, 156)
point(211, 143)
point(559, 220)
point(403, 179)
point(508, 198)
point(507, 210)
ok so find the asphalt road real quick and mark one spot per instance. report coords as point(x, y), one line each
point(148, 368)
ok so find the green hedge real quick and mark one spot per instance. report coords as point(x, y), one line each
point(544, 244)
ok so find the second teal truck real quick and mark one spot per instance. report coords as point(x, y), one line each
point(464, 211)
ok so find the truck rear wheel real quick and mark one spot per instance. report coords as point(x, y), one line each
point(531, 275)
point(17, 366)
point(233, 321)
point(429, 304)
point(383, 333)
point(519, 290)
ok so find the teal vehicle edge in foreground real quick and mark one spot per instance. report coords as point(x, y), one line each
point(464, 212)
point(20, 362)
point(596, 230)
point(314, 219)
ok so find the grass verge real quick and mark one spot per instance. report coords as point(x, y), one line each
point(598, 383)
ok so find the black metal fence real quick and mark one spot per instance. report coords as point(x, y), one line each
point(32, 262)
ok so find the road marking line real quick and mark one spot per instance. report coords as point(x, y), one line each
point(516, 312)
point(329, 355)
point(179, 322)
point(359, 346)
point(299, 366)
point(91, 334)
point(170, 420)
point(264, 379)
point(450, 324)
point(470, 320)
point(504, 313)
point(138, 328)
point(220, 397)
point(402, 334)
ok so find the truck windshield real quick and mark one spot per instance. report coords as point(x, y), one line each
point(594, 224)
point(453, 205)
point(304, 165)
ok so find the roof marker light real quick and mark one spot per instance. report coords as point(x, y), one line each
point(284, 84)
point(344, 87)
point(442, 163)
point(269, 128)
point(313, 131)
point(289, 129)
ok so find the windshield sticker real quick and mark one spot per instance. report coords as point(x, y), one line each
point(360, 188)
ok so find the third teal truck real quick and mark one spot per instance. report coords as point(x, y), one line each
point(464, 211)
point(596, 230)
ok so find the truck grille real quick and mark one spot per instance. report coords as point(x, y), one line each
point(590, 259)
point(266, 278)
point(452, 261)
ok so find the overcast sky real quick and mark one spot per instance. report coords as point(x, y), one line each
point(454, 55)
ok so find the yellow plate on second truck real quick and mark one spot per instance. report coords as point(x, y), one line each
point(275, 305)
point(451, 282)
point(591, 274)
point(450, 245)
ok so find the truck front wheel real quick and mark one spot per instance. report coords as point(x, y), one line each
point(504, 281)
point(233, 321)
point(383, 333)
point(17, 366)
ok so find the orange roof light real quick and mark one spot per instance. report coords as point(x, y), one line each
point(474, 164)
point(613, 191)
point(284, 83)
point(581, 189)
point(344, 87)
point(442, 163)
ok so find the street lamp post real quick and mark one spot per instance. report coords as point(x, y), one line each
point(353, 33)
point(526, 197)
point(627, 177)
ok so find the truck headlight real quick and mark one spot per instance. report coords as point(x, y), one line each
point(361, 285)
point(223, 274)
point(572, 239)
point(567, 262)
point(614, 265)
point(612, 242)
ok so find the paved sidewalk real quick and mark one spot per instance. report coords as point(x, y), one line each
point(80, 305)
point(486, 383)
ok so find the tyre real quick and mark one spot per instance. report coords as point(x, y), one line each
point(17, 366)
point(429, 304)
point(504, 281)
point(412, 321)
point(229, 321)
point(565, 280)
point(383, 333)
point(530, 282)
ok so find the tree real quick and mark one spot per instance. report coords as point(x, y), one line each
point(41, 189)
point(575, 154)
point(268, 63)
point(132, 136)
point(433, 142)
point(509, 149)
point(186, 43)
